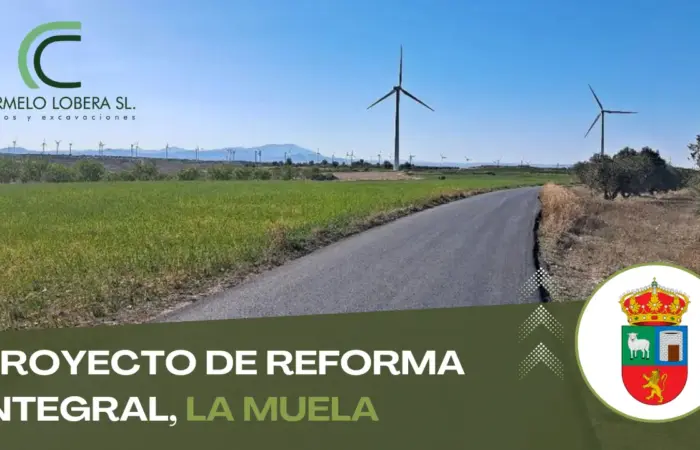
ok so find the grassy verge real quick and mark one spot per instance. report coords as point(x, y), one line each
point(80, 254)
point(584, 239)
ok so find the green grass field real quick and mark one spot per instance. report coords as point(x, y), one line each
point(81, 252)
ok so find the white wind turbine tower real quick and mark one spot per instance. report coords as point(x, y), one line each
point(333, 158)
point(410, 159)
point(43, 147)
point(102, 147)
point(260, 155)
point(350, 155)
point(196, 153)
point(397, 91)
point(167, 147)
point(379, 158)
point(70, 149)
point(498, 162)
point(14, 146)
point(318, 156)
point(442, 159)
point(136, 148)
point(57, 144)
point(132, 150)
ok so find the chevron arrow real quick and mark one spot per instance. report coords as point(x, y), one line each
point(541, 316)
point(540, 279)
point(541, 354)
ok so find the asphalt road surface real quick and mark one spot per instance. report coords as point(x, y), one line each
point(476, 251)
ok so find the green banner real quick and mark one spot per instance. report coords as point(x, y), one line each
point(481, 377)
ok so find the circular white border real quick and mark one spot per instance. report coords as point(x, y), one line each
point(599, 350)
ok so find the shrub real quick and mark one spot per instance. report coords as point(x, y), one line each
point(9, 170)
point(33, 170)
point(89, 170)
point(189, 174)
point(243, 174)
point(628, 173)
point(145, 171)
point(124, 175)
point(222, 172)
point(324, 176)
point(56, 173)
point(288, 173)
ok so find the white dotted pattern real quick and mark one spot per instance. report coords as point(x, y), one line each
point(541, 354)
point(540, 278)
point(541, 317)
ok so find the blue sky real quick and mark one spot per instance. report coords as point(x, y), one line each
point(507, 78)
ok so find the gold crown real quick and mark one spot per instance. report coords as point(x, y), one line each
point(654, 305)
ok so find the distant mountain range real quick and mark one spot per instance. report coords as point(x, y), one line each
point(270, 153)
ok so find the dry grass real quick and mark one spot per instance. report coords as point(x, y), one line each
point(584, 239)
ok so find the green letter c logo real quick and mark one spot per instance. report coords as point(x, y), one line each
point(27, 43)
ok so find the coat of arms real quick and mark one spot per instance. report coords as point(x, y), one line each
point(654, 344)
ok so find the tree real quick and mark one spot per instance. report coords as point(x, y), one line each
point(694, 148)
point(89, 170)
point(629, 172)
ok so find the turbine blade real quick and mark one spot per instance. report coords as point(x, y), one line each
point(621, 112)
point(593, 124)
point(401, 67)
point(390, 92)
point(415, 98)
point(596, 97)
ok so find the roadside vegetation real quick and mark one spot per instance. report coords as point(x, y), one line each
point(630, 208)
point(104, 252)
point(70, 169)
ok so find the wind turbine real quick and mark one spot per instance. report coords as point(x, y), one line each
point(43, 147)
point(167, 147)
point(132, 150)
point(410, 159)
point(70, 149)
point(102, 146)
point(601, 116)
point(260, 155)
point(318, 155)
point(57, 144)
point(14, 145)
point(196, 153)
point(350, 155)
point(136, 148)
point(379, 158)
point(442, 159)
point(498, 162)
point(397, 90)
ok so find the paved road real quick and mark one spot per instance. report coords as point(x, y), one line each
point(476, 251)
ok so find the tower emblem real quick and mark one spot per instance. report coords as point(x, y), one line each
point(654, 344)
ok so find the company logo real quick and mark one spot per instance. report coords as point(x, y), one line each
point(66, 107)
point(634, 347)
point(23, 58)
